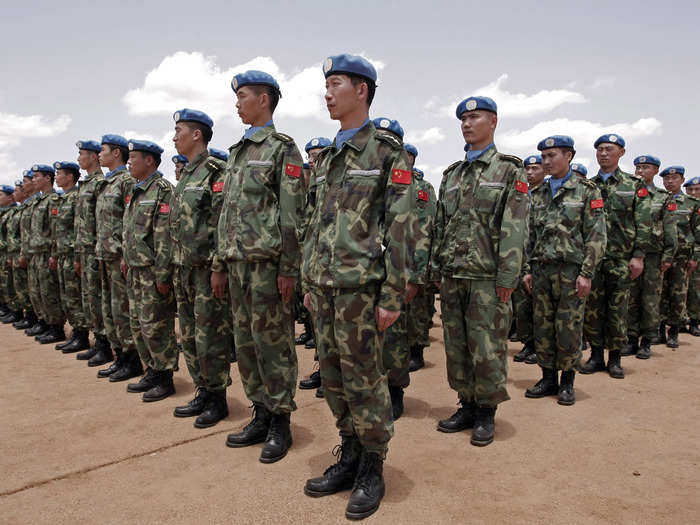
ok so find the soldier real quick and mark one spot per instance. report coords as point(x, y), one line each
point(258, 248)
point(218, 154)
point(7, 205)
point(87, 264)
point(480, 232)
point(64, 257)
point(204, 319)
point(14, 242)
point(566, 242)
point(355, 269)
point(685, 261)
point(180, 162)
point(522, 298)
point(580, 170)
point(628, 225)
point(692, 188)
point(645, 295)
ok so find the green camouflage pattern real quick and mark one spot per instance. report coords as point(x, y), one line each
point(693, 298)
point(424, 213)
point(605, 318)
point(85, 221)
point(6, 286)
point(419, 316)
point(91, 290)
point(396, 354)
point(70, 293)
point(109, 210)
point(25, 223)
point(115, 305)
point(64, 223)
point(46, 282)
point(13, 246)
point(523, 311)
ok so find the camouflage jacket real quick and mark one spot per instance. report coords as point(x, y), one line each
point(481, 220)
point(109, 211)
point(195, 210)
point(42, 226)
point(664, 236)
point(4, 215)
point(686, 216)
point(360, 226)
point(64, 231)
point(25, 224)
point(569, 227)
point(628, 215)
point(85, 218)
point(147, 240)
point(424, 212)
point(263, 202)
point(13, 239)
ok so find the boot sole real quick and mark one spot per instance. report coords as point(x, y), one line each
point(276, 458)
point(540, 396)
point(308, 387)
point(99, 363)
point(481, 443)
point(208, 425)
point(362, 515)
point(616, 376)
point(453, 430)
point(592, 371)
point(642, 356)
point(159, 398)
point(319, 494)
point(246, 444)
point(566, 403)
point(183, 416)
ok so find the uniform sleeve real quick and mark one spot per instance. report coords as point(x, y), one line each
point(642, 222)
point(24, 233)
point(529, 239)
point(695, 226)
point(513, 231)
point(217, 203)
point(291, 202)
point(595, 238)
point(438, 234)
point(421, 257)
point(54, 204)
point(670, 235)
point(162, 242)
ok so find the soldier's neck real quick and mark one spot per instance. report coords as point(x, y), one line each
point(197, 150)
point(355, 119)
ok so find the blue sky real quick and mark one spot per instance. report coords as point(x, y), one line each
point(77, 70)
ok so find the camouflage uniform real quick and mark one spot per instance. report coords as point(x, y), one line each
point(355, 259)
point(567, 238)
point(258, 241)
point(204, 320)
point(85, 240)
point(109, 208)
point(147, 250)
point(644, 315)
point(33, 290)
point(19, 275)
point(693, 298)
point(480, 231)
point(6, 287)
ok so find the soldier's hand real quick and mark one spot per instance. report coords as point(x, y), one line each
point(665, 266)
point(385, 318)
point(636, 267)
point(307, 301)
point(527, 281)
point(123, 267)
point(218, 284)
point(76, 267)
point(583, 286)
point(504, 293)
point(53, 264)
point(286, 287)
point(22, 262)
point(411, 291)
point(163, 288)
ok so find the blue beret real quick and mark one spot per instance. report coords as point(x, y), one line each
point(692, 182)
point(410, 148)
point(179, 159)
point(192, 115)
point(7, 189)
point(579, 168)
point(318, 142)
point(115, 140)
point(66, 165)
point(253, 78)
point(556, 141)
point(43, 167)
point(91, 145)
point(647, 159)
point(59, 191)
point(349, 64)
point(610, 138)
point(419, 172)
point(145, 145)
point(388, 125)
point(474, 103)
point(306, 166)
point(28, 173)
point(218, 153)
point(671, 170)
point(533, 159)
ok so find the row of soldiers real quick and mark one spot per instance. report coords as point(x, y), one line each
point(359, 240)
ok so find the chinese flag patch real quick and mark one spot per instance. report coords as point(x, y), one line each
point(127, 200)
point(292, 170)
point(520, 186)
point(401, 176)
point(672, 207)
point(423, 195)
point(54, 211)
point(164, 208)
point(596, 203)
point(218, 187)
point(642, 192)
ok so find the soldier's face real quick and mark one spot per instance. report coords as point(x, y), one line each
point(42, 181)
point(673, 183)
point(28, 185)
point(64, 179)
point(646, 171)
point(249, 104)
point(105, 156)
point(478, 126)
point(694, 190)
point(608, 156)
point(178, 170)
point(412, 159)
point(342, 98)
point(138, 165)
point(85, 158)
point(5, 199)
point(313, 155)
point(18, 195)
point(184, 138)
point(535, 174)
point(555, 162)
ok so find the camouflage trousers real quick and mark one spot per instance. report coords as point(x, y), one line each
point(49, 289)
point(419, 316)
point(605, 320)
point(34, 286)
point(523, 310)
point(396, 353)
point(20, 279)
point(350, 360)
point(205, 328)
point(152, 320)
point(7, 287)
point(115, 306)
point(263, 329)
point(91, 291)
point(71, 297)
point(475, 324)
point(675, 291)
point(559, 314)
point(643, 317)
point(693, 298)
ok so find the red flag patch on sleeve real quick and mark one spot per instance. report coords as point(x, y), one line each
point(54, 211)
point(218, 187)
point(292, 170)
point(520, 186)
point(164, 208)
point(127, 200)
point(642, 192)
point(423, 195)
point(401, 176)
point(596, 203)
point(672, 207)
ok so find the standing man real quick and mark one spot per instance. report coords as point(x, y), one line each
point(34, 322)
point(480, 232)
point(566, 242)
point(14, 245)
point(628, 226)
point(10, 232)
point(7, 206)
point(692, 188)
point(204, 319)
point(180, 162)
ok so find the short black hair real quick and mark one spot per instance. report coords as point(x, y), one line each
point(75, 173)
point(371, 86)
point(272, 92)
point(205, 130)
point(155, 156)
point(571, 150)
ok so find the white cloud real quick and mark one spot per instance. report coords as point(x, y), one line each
point(429, 136)
point(14, 128)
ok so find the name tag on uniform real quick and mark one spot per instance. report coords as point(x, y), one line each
point(572, 204)
point(364, 173)
point(142, 203)
point(624, 193)
point(453, 188)
point(86, 194)
point(115, 195)
point(259, 163)
point(684, 212)
point(320, 179)
point(193, 188)
point(493, 184)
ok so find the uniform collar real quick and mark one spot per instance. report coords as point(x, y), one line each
point(193, 164)
point(473, 154)
point(74, 188)
point(115, 171)
point(145, 183)
point(259, 133)
point(356, 138)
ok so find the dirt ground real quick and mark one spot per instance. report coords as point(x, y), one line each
point(75, 449)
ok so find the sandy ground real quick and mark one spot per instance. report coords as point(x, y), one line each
point(75, 449)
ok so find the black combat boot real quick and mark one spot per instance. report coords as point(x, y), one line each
point(195, 406)
point(104, 352)
point(396, 395)
point(547, 386)
point(566, 388)
point(80, 342)
point(215, 410)
point(694, 328)
point(61, 346)
point(55, 334)
point(254, 432)
point(37, 329)
point(131, 367)
point(596, 363)
point(528, 349)
point(531, 359)
point(341, 475)
point(672, 341)
point(632, 346)
point(314, 381)
point(320, 392)
point(307, 334)
point(417, 362)
point(368, 489)
point(3, 309)
point(144, 384)
point(460, 420)
point(116, 364)
point(310, 344)
point(484, 426)
point(89, 353)
point(27, 321)
point(644, 349)
point(614, 367)
point(162, 388)
point(12, 317)
point(278, 439)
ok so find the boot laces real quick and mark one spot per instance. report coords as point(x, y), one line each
point(365, 479)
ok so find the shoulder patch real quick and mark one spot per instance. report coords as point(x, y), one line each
point(694, 199)
point(451, 167)
point(389, 139)
point(163, 183)
point(511, 158)
point(215, 165)
point(587, 183)
point(282, 137)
